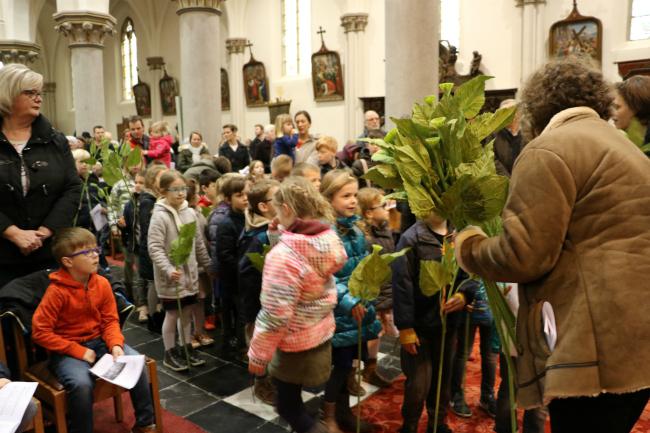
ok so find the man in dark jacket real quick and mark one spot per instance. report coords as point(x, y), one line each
point(261, 148)
point(50, 202)
point(418, 319)
point(232, 149)
point(507, 143)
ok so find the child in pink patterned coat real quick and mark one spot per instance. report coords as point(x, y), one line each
point(295, 325)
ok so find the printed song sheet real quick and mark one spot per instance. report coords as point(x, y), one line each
point(124, 372)
point(14, 398)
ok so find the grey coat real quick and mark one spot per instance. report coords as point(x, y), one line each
point(163, 229)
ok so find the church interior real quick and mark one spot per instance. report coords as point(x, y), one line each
point(212, 65)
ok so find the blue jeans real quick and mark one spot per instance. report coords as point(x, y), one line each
point(79, 384)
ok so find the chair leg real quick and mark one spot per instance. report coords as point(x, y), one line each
point(119, 411)
point(38, 419)
point(155, 396)
point(59, 418)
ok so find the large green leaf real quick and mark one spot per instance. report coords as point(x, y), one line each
point(420, 201)
point(486, 124)
point(371, 273)
point(471, 95)
point(636, 132)
point(473, 200)
point(182, 246)
point(134, 158)
point(433, 277)
point(384, 175)
point(383, 156)
point(257, 259)
point(111, 173)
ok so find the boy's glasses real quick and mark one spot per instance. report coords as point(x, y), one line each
point(384, 205)
point(88, 253)
point(178, 190)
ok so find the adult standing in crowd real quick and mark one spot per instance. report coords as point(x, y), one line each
point(192, 153)
point(138, 137)
point(232, 149)
point(576, 236)
point(306, 148)
point(261, 148)
point(508, 142)
point(39, 186)
point(632, 109)
point(371, 122)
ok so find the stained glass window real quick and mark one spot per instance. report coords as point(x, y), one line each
point(129, 60)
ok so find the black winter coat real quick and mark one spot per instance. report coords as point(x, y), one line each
point(54, 190)
point(250, 279)
point(261, 150)
point(228, 232)
point(147, 201)
point(131, 230)
point(239, 158)
point(383, 237)
point(89, 199)
point(411, 308)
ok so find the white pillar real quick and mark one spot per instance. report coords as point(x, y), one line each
point(236, 50)
point(86, 32)
point(200, 68)
point(533, 36)
point(412, 34)
point(354, 25)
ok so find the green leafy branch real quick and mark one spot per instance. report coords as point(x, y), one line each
point(257, 259)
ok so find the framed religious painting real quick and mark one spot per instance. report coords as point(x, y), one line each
point(225, 91)
point(142, 97)
point(256, 84)
point(577, 35)
point(168, 94)
point(326, 74)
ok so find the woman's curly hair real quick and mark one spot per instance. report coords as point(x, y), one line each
point(562, 84)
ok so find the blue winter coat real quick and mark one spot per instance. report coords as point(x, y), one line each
point(285, 145)
point(411, 308)
point(346, 333)
point(250, 279)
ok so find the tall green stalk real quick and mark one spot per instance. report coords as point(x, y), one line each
point(359, 347)
point(180, 317)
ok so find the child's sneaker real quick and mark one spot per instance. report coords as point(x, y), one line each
point(489, 405)
point(459, 406)
point(143, 313)
point(195, 342)
point(195, 359)
point(173, 361)
point(209, 324)
point(204, 340)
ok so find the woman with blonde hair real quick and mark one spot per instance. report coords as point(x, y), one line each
point(40, 188)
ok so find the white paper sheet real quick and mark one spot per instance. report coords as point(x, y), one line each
point(124, 372)
point(99, 219)
point(550, 329)
point(14, 399)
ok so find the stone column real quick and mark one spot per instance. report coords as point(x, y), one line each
point(411, 55)
point(12, 51)
point(354, 25)
point(86, 32)
point(49, 101)
point(533, 36)
point(200, 68)
point(236, 50)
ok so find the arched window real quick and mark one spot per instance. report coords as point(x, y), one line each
point(296, 37)
point(640, 20)
point(450, 22)
point(129, 60)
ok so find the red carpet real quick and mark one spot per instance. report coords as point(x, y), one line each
point(105, 419)
point(383, 408)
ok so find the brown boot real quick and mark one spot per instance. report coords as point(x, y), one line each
point(355, 388)
point(329, 418)
point(346, 419)
point(264, 390)
point(372, 376)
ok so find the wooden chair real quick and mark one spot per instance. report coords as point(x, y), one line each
point(53, 395)
point(36, 424)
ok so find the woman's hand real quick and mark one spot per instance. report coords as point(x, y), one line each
point(44, 232)
point(257, 370)
point(26, 240)
point(358, 312)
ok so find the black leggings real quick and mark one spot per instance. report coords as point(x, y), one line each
point(337, 383)
point(291, 407)
point(607, 413)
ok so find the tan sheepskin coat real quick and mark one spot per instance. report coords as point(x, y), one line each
point(577, 235)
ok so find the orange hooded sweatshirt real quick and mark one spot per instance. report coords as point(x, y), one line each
point(70, 314)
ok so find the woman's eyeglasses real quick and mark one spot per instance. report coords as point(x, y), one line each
point(32, 94)
point(88, 253)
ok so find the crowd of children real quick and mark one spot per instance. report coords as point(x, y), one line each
point(295, 321)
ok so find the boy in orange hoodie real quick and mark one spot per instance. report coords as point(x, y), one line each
point(77, 322)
